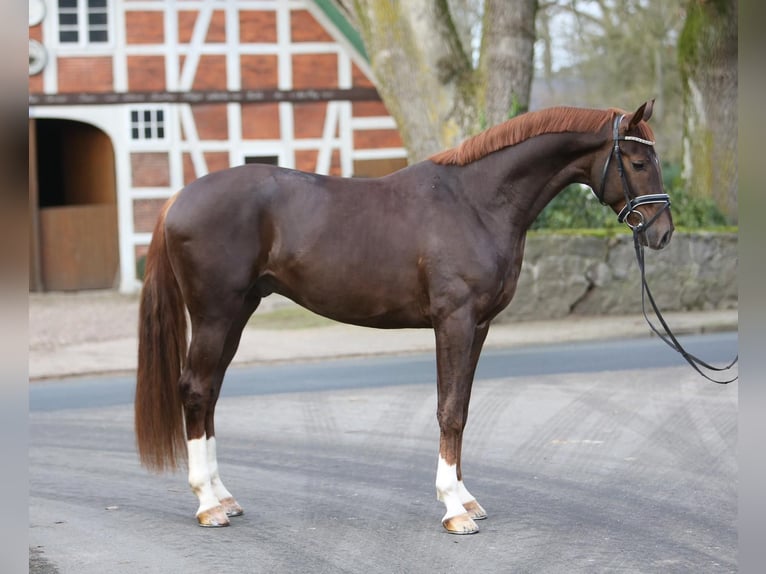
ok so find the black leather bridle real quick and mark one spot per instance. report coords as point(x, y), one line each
point(631, 203)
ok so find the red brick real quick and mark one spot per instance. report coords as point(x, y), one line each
point(306, 159)
point(144, 27)
point(36, 33)
point(216, 160)
point(145, 214)
point(335, 168)
point(308, 119)
point(36, 84)
point(186, 20)
point(305, 28)
point(211, 121)
point(258, 27)
point(367, 109)
point(216, 32)
point(146, 73)
point(359, 79)
point(211, 73)
point(374, 139)
point(315, 71)
point(150, 169)
point(85, 74)
point(259, 72)
point(260, 121)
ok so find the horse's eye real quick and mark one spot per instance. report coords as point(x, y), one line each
point(637, 165)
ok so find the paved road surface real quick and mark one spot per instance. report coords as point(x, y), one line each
point(582, 357)
point(604, 471)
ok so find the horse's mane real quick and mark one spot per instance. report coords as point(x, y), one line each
point(525, 126)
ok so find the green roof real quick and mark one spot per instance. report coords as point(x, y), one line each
point(344, 26)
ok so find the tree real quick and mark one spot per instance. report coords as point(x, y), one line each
point(708, 58)
point(436, 83)
point(619, 52)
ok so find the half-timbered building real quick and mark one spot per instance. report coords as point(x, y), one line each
point(131, 99)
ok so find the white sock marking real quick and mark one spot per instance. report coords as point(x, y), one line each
point(199, 474)
point(448, 488)
point(212, 462)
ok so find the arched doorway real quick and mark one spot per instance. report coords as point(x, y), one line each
point(73, 199)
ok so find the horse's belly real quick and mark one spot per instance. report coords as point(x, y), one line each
point(356, 301)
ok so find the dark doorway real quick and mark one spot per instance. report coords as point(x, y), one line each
point(74, 203)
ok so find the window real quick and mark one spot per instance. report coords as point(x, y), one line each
point(267, 159)
point(147, 124)
point(83, 21)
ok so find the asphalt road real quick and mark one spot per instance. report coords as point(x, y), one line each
point(602, 470)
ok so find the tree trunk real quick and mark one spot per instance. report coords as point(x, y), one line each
point(708, 59)
point(507, 58)
point(424, 70)
point(421, 71)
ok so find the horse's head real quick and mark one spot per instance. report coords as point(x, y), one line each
point(631, 179)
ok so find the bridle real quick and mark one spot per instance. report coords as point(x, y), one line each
point(631, 203)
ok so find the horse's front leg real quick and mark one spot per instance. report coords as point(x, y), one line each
point(472, 506)
point(458, 341)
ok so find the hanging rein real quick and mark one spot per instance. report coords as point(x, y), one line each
point(630, 212)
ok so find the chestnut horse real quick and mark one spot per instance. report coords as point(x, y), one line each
point(436, 245)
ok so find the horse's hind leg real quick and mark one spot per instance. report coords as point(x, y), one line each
point(229, 503)
point(199, 385)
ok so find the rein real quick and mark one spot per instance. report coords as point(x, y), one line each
point(668, 338)
point(631, 203)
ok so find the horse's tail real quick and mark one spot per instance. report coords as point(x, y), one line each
point(162, 349)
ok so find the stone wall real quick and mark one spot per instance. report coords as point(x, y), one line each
point(582, 275)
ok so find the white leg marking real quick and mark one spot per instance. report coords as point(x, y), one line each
point(465, 496)
point(212, 463)
point(199, 474)
point(448, 489)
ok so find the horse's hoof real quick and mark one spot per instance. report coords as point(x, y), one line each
point(232, 507)
point(475, 510)
point(213, 517)
point(460, 524)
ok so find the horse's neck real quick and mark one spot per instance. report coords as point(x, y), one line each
point(527, 176)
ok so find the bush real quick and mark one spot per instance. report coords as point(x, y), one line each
point(577, 208)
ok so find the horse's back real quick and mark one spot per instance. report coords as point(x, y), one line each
point(346, 248)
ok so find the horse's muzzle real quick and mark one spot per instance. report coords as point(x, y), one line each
point(656, 237)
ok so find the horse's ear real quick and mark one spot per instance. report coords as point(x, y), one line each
point(644, 112)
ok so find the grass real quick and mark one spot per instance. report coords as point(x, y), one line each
point(288, 318)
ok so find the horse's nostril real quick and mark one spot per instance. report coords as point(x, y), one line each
point(665, 238)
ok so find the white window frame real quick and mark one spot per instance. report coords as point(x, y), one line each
point(153, 123)
point(83, 27)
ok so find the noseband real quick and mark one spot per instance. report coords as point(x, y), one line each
point(631, 201)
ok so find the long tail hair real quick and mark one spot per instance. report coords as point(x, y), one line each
point(162, 347)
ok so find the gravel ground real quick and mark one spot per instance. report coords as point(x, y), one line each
point(61, 319)
point(58, 319)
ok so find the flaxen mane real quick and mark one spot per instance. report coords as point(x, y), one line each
point(525, 126)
